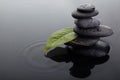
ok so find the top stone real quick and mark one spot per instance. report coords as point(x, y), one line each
point(85, 11)
point(86, 8)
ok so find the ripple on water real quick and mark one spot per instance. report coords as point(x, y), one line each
point(32, 57)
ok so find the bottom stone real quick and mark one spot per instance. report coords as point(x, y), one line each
point(100, 49)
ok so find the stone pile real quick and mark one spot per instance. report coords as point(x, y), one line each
point(89, 29)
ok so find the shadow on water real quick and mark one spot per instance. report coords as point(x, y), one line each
point(82, 65)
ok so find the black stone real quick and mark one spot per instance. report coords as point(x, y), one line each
point(102, 31)
point(100, 49)
point(59, 54)
point(57, 51)
point(87, 23)
point(86, 8)
point(79, 15)
point(82, 42)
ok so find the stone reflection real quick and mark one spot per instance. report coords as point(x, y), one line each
point(83, 58)
point(82, 65)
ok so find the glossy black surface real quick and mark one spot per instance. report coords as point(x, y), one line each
point(25, 26)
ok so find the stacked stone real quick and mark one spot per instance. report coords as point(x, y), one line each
point(88, 28)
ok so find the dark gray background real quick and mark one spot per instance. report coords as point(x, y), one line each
point(25, 23)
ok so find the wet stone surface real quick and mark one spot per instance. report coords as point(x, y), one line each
point(78, 15)
point(86, 8)
point(87, 23)
point(102, 31)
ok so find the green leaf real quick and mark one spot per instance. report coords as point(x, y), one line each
point(60, 37)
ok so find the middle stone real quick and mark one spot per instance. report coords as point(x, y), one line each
point(87, 23)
